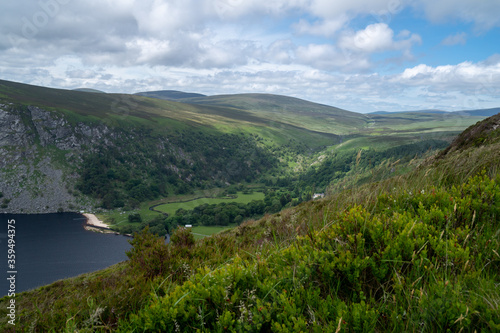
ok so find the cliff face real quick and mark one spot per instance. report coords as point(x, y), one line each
point(38, 150)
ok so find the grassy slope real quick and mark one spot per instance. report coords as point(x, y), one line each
point(130, 110)
point(415, 252)
point(292, 111)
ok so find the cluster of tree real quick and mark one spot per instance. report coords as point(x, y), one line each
point(340, 164)
point(129, 171)
point(223, 214)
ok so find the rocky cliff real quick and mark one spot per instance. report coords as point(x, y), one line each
point(38, 151)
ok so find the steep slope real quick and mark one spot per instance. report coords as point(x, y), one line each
point(412, 253)
point(483, 133)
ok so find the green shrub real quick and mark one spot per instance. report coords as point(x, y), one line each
point(182, 237)
point(411, 264)
point(148, 254)
point(135, 218)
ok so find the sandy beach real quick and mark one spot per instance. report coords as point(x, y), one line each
point(92, 220)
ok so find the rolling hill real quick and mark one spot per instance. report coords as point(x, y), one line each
point(170, 95)
point(89, 90)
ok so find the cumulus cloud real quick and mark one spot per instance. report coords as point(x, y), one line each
point(354, 49)
point(329, 57)
point(378, 37)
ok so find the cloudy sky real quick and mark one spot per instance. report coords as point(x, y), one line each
point(360, 55)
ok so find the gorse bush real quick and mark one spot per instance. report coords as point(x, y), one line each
point(425, 261)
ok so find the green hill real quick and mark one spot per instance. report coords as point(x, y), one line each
point(416, 252)
point(170, 95)
point(90, 90)
point(289, 110)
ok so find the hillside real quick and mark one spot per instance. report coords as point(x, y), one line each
point(476, 112)
point(484, 132)
point(77, 148)
point(416, 252)
point(289, 110)
point(169, 95)
point(90, 90)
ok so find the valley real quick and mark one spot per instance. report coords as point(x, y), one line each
point(408, 223)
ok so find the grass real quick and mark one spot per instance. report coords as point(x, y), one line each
point(200, 232)
point(172, 207)
point(119, 218)
point(277, 118)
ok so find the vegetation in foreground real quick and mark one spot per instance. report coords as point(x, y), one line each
point(408, 261)
point(412, 253)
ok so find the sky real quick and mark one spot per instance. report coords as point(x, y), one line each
point(359, 55)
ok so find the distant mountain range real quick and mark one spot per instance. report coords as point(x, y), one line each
point(90, 90)
point(269, 101)
point(477, 112)
point(169, 95)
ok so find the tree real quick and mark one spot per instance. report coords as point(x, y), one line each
point(135, 218)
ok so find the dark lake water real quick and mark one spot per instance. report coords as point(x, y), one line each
point(50, 247)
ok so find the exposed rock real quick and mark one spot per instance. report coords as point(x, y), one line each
point(29, 180)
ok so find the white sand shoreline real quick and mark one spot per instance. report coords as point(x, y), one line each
point(92, 220)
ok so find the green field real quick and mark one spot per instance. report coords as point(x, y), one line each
point(171, 208)
point(119, 218)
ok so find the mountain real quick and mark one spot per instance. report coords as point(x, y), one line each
point(290, 110)
point(422, 111)
point(482, 112)
point(415, 252)
point(170, 95)
point(476, 112)
point(89, 90)
point(483, 133)
point(78, 147)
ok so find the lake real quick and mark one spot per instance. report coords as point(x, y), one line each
point(50, 247)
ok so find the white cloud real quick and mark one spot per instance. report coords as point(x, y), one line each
point(467, 78)
point(334, 9)
point(378, 37)
point(459, 38)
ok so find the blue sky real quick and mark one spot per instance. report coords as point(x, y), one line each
point(361, 55)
